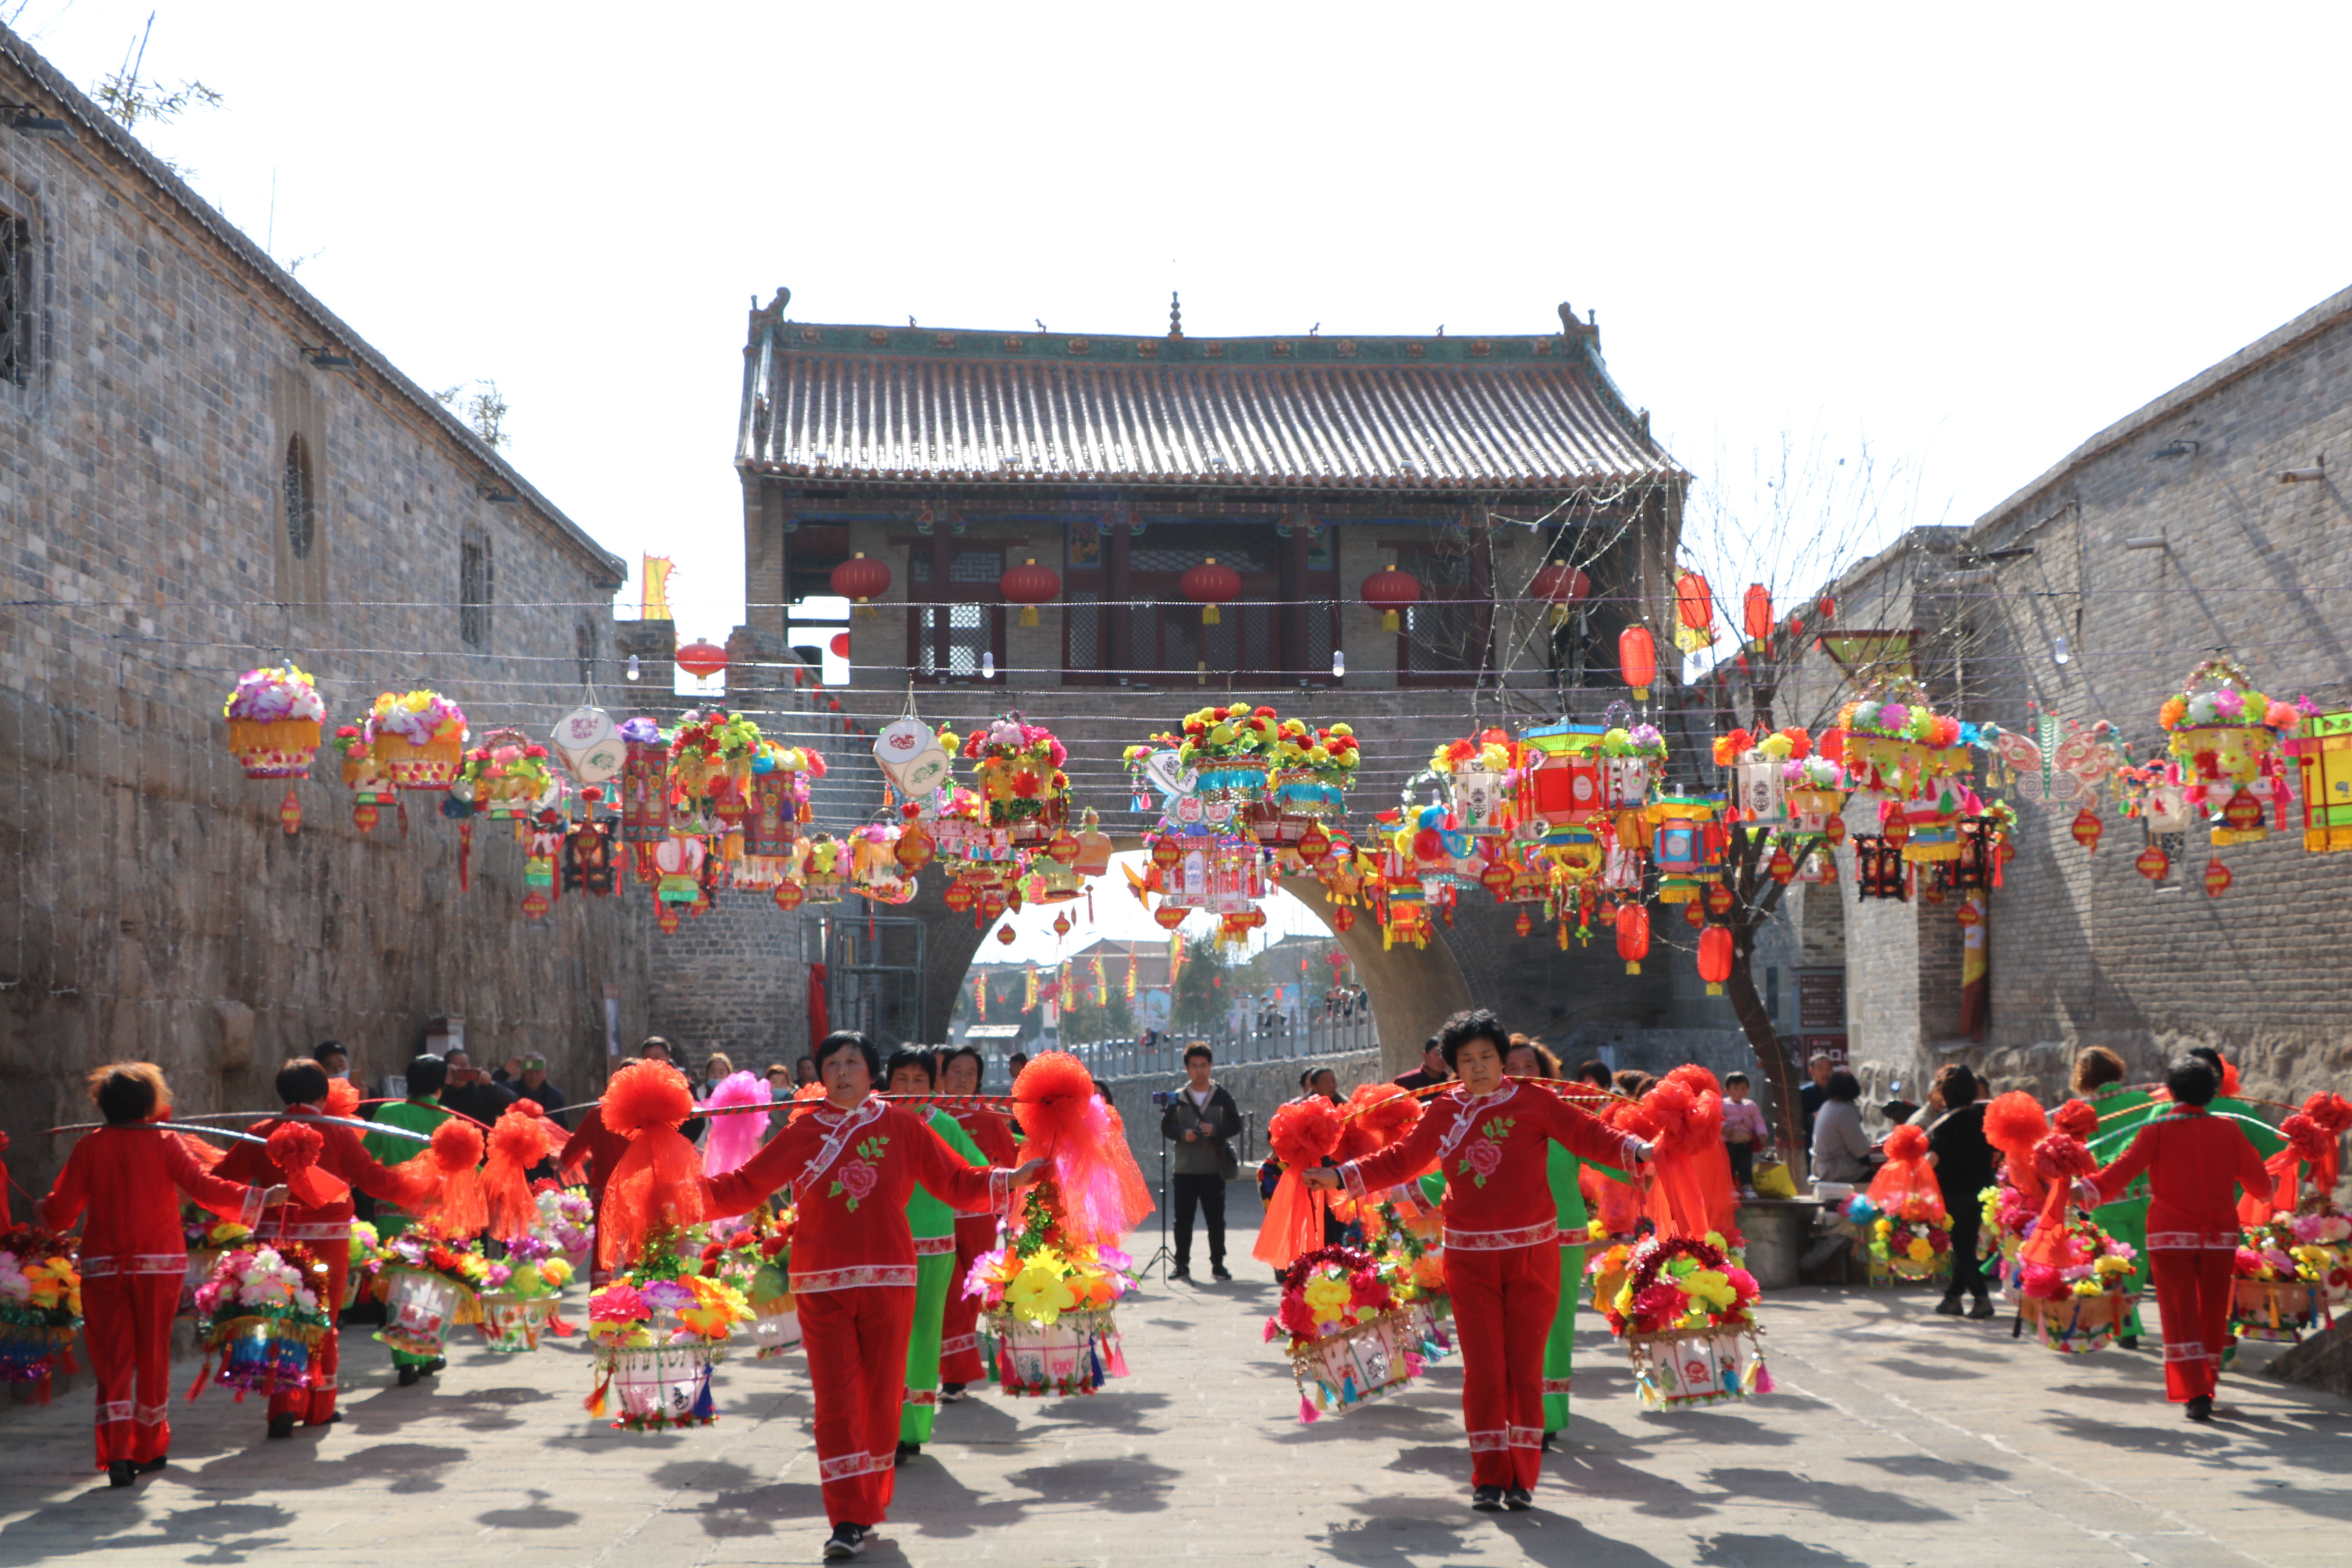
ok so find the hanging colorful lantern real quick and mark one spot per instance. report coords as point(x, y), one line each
point(1695, 914)
point(700, 659)
point(1389, 591)
point(418, 740)
point(2152, 863)
point(1637, 660)
point(1005, 934)
point(861, 580)
point(645, 783)
point(1632, 936)
point(789, 894)
point(2217, 878)
point(1694, 612)
point(1561, 587)
point(1782, 867)
point(2322, 748)
point(2087, 828)
point(1208, 585)
point(1523, 925)
point(1030, 585)
point(1343, 919)
point(1021, 779)
point(1170, 916)
point(2224, 735)
point(1714, 958)
point(1756, 615)
point(274, 719)
point(1892, 741)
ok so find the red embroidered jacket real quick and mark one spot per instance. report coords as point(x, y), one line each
point(129, 1179)
point(992, 1132)
point(2195, 1163)
point(851, 1171)
point(342, 1158)
point(1493, 1151)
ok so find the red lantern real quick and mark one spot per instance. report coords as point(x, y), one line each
point(1061, 925)
point(2153, 863)
point(1714, 958)
point(2087, 828)
point(1314, 844)
point(2243, 812)
point(1719, 898)
point(861, 579)
point(1828, 607)
point(1695, 607)
point(1693, 914)
point(959, 896)
point(1030, 585)
point(1835, 831)
point(1343, 918)
point(1899, 829)
point(913, 851)
point(1632, 936)
point(788, 895)
point(1637, 660)
point(1968, 915)
point(1523, 924)
point(1561, 587)
point(840, 646)
point(2217, 878)
point(1389, 590)
point(1209, 586)
point(666, 917)
point(1498, 878)
point(1783, 865)
point(1756, 613)
point(1166, 852)
point(992, 904)
point(1005, 935)
point(1170, 916)
point(1064, 847)
point(700, 659)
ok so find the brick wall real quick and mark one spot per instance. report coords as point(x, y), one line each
point(150, 906)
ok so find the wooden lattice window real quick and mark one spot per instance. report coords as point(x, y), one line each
point(15, 300)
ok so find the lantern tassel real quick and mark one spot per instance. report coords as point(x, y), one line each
point(1390, 621)
point(1209, 617)
point(1028, 614)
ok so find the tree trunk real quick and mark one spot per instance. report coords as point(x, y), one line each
point(1772, 1055)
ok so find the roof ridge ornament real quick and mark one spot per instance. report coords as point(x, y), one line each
point(1175, 316)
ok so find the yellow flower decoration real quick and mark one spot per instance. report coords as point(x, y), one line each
point(1919, 1251)
point(1329, 1297)
point(1040, 1294)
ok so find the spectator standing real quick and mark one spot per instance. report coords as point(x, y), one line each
point(332, 1056)
point(1841, 1150)
point(469, 1091)
point(804, 1074)
point(1744, 1132)
point(1963, 1162)
point(1201, 1120)
point(1431, 1071)
point(1818, 1068)
point(527, 1076)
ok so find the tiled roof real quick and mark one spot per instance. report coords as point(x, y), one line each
point(837, 403)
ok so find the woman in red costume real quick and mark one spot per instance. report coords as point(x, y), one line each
point(2195, 1163)
point(1490, 1138)
point(959, 1360)
point(129, 1177)
point(317, 1214)
point(851, 1162)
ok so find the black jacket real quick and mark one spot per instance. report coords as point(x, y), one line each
point(1221, 1120)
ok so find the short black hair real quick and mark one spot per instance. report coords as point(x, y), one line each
point(126, 1093)
point(329, 1048)
point(1471, 1024)
point(842, 1040)
point(1731, 1078)
point(1197, 1049)
point(1314, 1073)
point(1017, 1061)
point(1843, 1085)
point(650, 1041)
point(2210, 1057)
point(1958, 1083)
point(301, 1082)
point(1595, 1071)
point(912, 1056)
point(956, 1053)
point(2192, 1080)
point(427, 1075)
point(1437, 1043)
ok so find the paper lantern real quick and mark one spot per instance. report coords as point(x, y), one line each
point(1632, 936)
point(959, 896)
point(1714, 958)
point(1783, 865)
point(1208, 585)
point(1561, 587)
point(2322, 749)
point(1005, 934)
point(1343, 918)
point(1694, 612)
point(1719, 898)
point(1170, 916)
point(1030, 585)
point(1314, 844)
point(1637, 660)
point(1695, 914)
point(1389, 591)
point(2152, 863)
point(861, 580)
point(1523, 924)
point(700, 659)
point(2217, 878)
point(1166, 852)
point(2087, 828)
point(1756, 613)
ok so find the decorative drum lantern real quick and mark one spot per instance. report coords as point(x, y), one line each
point(861, 580)
point(701, 660)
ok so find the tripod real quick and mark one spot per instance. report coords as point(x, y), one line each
point(1163, 1257)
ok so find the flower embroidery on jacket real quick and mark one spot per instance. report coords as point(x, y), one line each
point(1484, 1156)
point(857, 1177)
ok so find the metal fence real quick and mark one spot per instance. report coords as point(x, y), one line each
point(1314, 1035)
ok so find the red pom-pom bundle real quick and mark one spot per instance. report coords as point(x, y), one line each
point(294, 1147)
point(1303, 1132)
point(2304, 1135)
point(2014, 1122)
point(2062, 1157)
point(2332, 1113)
point(1907, 1144)
point(518, 1141)
point(2076, 1119)
point(646, 1094)
point(1383, 1112)
point(343, 1097)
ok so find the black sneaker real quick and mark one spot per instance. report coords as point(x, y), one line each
point(151, 1466)
point(281, 1425)
point(407, 1377)
point(908, 1451)
point(1552, 1441)
point(2128, 1342)
point(430, 1367)
point(2201, 1408)
point(846, 1541)
point(121, 1473)
point(1218, 1271)
point(1180, 1273)
point(1983, 1309)
point(1951, 1307)
point(951, 1392)
point(1486, 1499)
point(1519, 1499)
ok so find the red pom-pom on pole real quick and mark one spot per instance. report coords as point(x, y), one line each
point(1301, 1134)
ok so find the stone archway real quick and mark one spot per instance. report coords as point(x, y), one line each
point(1412, 989)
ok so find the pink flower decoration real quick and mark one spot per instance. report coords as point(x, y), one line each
point(1484, 1156)
point(857, 1178)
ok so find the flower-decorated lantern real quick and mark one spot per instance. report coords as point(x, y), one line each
point(826, 870)
point(1307, 780)
point(1814, 789)
point(644, 781)
point(1895, 744)
point(778, 794)
point(370, 789)
point(1403, 915)
point(1481, 777)
point(875, 871)
point(2322, 749)
point(508, 777)
point(1633, 762)
point(417, 739)
point(1229, 751)
point(1759, 765)
point(1019, 770)
point(712, 758)
point(274, 720)
point(2224, 733)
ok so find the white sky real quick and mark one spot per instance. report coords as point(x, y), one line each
point(1118, 917)
point(1971, 235)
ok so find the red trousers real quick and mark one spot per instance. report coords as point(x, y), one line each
point(855, 1341)
point(314, 1406)
point(127, 1322)
point(960, 1328)
point(2192, 1292)
point(1504, 1304)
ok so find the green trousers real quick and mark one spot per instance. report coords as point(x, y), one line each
point(2126, 1221)
point(1560, 1349)
point(932, 1274)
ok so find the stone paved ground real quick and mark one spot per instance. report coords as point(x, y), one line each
point(1896, 1437)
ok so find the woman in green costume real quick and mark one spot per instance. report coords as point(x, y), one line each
point(1527, 1061)
point(913, 1071)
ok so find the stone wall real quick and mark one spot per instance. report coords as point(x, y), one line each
point(150, 905)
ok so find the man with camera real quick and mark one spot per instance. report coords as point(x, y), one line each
point(1201, 1120)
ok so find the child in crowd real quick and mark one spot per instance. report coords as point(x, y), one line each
point(1743, 1131)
